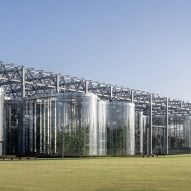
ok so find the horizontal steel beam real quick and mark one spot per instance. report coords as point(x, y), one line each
point(35, 81)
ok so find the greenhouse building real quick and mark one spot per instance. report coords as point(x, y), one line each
point(52, 115)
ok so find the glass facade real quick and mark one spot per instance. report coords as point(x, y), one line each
point(175, 133)
point(120, 129)
point(79, 124)
point(70, 124)
point(187, 132)
point(140, 132)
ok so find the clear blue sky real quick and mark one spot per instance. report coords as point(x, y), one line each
point(141, 44)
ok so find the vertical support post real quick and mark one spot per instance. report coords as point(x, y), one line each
point(8, 145)
point(132, 96)
point(41, 128)
point(57, 83)
point(151, 125)
point(181, 103)
point(35, 122)
point(166, 130)
point(55, 128)
point(111, 92)
point(62, 151)
point(86, 86)
point(48, 126)
point(23, 82)
point(55, 119)
point(31, 127)
point(44, 122)
point(2, 131)
point(141, 132)
point(148, 140)
point(22, 114)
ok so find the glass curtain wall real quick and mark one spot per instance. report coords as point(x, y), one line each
point(187, 132)
point(69, 124)
point(140, 127)
point(120, 129)
point(176, 134)
point(158, 134)
point(13, 129)
point(77, 124)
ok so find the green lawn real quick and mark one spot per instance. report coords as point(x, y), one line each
point(104, 174)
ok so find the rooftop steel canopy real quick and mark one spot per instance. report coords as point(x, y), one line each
point(22, 82)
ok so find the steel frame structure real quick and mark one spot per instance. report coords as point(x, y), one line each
point(24, 83)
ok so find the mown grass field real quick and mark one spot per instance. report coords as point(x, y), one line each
point(103, 174)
